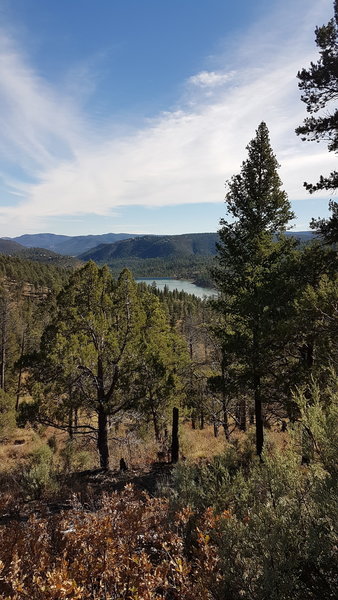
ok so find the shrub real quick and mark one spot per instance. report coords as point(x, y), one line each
point(73, 458)
point(39, 476)
point(271, 526)
point(127, 549)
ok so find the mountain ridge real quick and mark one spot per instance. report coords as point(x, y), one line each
point(66, 244)
point(155, 246)
point(101, 248)
point(164, 246)
point(11, 248)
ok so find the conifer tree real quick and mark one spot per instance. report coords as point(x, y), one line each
point(88, 353)
point(107, 350)
point(252, 299)
point(319, 86)
point(163, 355)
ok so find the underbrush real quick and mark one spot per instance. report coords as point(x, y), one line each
point(224, 527)
point(229, 528)
point(35, 465)
point(126, 549)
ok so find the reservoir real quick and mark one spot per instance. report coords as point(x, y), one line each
point(181, 285)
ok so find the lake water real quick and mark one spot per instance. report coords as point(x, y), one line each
point(181, 285)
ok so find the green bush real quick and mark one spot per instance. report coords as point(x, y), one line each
point(27, 414)
point(73, 458)
point(39, 476)
point(216, 483)
point(272, 524)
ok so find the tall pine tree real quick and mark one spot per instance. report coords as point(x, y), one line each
point(250, 260)
point(319, 86)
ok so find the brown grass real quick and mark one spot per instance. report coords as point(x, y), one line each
point(201, 443)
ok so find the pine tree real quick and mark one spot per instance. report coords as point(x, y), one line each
point(163, 355)
point(319, 86)
point(88, 353)
point(253, 297)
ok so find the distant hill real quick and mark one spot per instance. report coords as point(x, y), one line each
point(303, 236)
point(70, 245)
point(31, 278)
point(164, 246)
point(159, 246)
point(11, 248)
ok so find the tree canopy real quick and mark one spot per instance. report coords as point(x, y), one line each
point(319, 86)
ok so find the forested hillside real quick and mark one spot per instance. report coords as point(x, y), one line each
point(149, 246)
point(10, 248)
point(20, 270)
point(164, 247)
point(66, 244)
point(157, 446)
point(188, 256)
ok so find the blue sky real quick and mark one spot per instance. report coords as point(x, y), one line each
point(129, 115)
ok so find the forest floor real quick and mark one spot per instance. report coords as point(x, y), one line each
point(86, 489)
point(36, 474)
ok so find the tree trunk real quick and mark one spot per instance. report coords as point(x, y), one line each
point(224, 406)
point(307, 353)
point(70, 424)
point(157, 431)
point(225, 423)
point(174, 439)
point(102, 434)
point(102, 438)
point(258, 415)
point(202, 419)
point(242, 415)
point(18, 391)
point(193, 420)
point(251, 414)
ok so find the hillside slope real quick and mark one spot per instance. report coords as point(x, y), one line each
point(69, 245)
point(11, 248)
point(161, 246)
point(164, 246)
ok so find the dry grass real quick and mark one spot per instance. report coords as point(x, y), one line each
point(140, 451)
point(201, 443)
point(17, 447)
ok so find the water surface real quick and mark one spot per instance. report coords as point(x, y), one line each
point(181, 285)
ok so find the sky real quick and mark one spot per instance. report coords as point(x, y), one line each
point(130, 115)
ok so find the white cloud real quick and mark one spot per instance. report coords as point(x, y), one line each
point(183, 156)
point(38, 124)
point(210, 79)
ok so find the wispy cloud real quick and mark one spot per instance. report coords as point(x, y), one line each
point(38, 124)
point(182, 156)
point(210, 79)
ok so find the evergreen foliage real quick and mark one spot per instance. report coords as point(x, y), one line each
point(319, 86)
point(271, 527)
point(253, 298)
point(108, 350)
